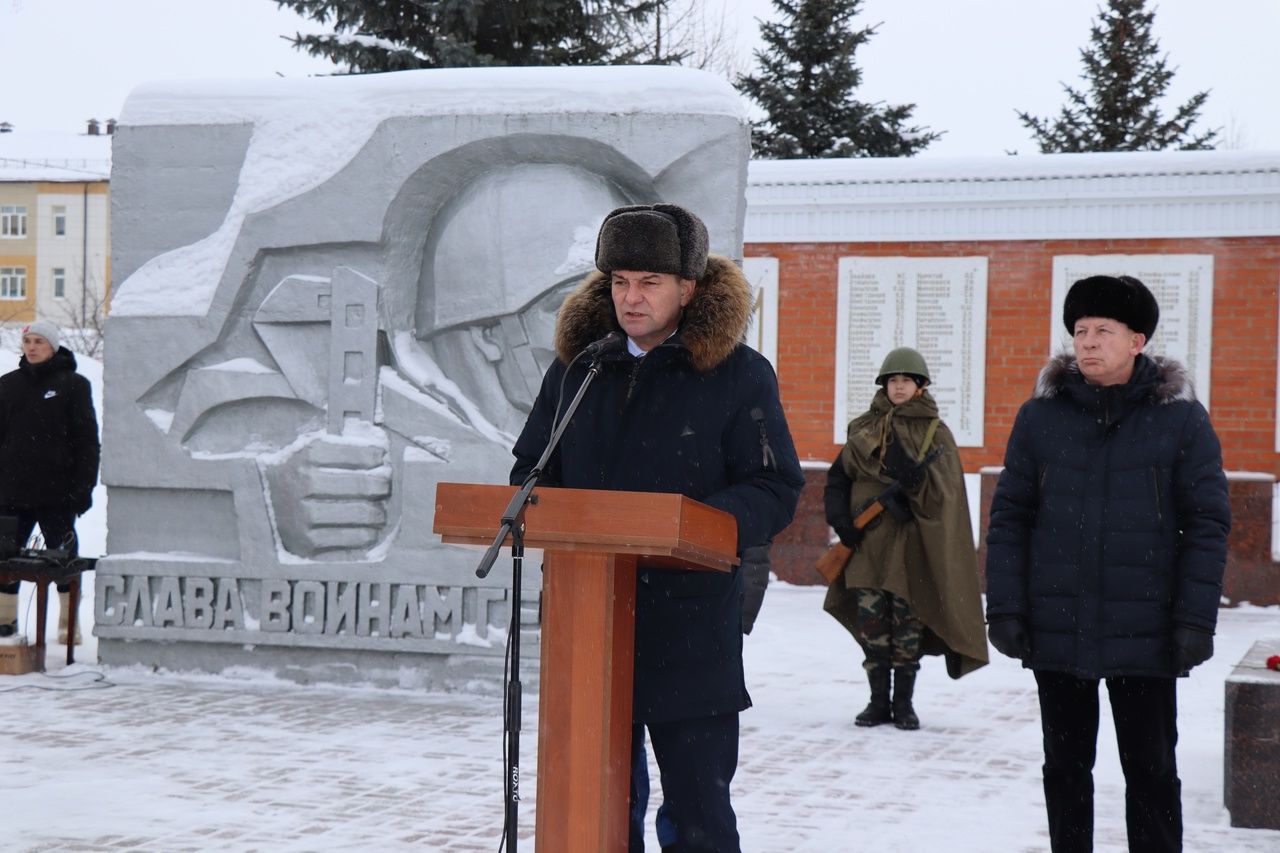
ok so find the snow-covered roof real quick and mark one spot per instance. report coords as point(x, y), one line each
point(461, 91)
point(52, 156)
point(1021, 167)
point(1025, 197)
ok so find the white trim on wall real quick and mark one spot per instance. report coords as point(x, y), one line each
point(1028, 197)
point(762, 331)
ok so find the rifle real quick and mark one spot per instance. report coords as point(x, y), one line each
point(891, 500)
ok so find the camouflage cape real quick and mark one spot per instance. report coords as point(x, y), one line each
point(929, 560)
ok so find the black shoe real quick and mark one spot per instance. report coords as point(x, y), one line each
point(877, 711)
point(875, 714)
point(8, 629)
point(904, 683)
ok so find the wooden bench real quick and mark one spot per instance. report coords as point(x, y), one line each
point(1251, 784)
point(46, 568)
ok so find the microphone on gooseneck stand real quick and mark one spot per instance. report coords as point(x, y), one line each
point(609, 343)
point(513, 525)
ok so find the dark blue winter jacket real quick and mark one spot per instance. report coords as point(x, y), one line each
point(694, 416)
point(1109, 522)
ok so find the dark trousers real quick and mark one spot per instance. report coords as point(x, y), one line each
point(696, 762)
point(1145, 711)
point(57, 527)
point(666, 830)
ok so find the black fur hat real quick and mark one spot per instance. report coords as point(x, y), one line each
point(653, 238)
point(1122, 298)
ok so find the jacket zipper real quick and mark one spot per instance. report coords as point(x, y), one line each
point(635, 376)
point(1155, 482)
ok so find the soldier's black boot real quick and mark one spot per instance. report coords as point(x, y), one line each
point(904, 684)
point(877, 710)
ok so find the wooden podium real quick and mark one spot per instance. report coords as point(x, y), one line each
point(592, 543)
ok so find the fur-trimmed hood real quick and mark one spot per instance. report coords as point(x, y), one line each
point(714, 321)
point(1168, 378)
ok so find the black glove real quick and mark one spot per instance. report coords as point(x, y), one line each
point(755, 580)
point(912, 477)
point(1191, 647)
point(899, 508)
point(81, 501)
point(1009, 635)
point(850, 537)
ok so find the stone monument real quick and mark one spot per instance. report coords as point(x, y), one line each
point(328, 296)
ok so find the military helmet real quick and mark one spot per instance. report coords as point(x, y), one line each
point(904, 360)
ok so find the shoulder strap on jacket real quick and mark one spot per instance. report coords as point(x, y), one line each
point(928, 436)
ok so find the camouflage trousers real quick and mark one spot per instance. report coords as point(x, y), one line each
point(888, 631)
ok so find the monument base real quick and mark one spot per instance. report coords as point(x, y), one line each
point(462, 673)
point(1252, 765)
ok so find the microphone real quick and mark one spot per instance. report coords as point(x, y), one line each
point(609, 343)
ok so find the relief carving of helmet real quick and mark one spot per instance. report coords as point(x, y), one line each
point(510, 236)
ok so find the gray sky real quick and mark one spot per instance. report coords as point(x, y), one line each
point(967, 65)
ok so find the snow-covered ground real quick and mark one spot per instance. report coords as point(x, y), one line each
point(164, 761)
point(171, 761)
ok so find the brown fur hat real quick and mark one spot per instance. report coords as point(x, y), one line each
point(714, 321)
point(1122, 298)
point(662, 238)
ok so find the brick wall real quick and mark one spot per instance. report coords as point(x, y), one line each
point(1246, 278)
point(1246, 275)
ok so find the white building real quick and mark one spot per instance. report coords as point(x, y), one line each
point(55, 235)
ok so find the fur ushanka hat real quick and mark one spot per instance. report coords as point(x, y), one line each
point(1122, 298)
point(662, 238)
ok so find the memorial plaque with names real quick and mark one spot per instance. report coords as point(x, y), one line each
point(936, 305)
point(762, 331)
point(1183, 288)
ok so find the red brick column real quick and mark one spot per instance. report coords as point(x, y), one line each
point(1252, 576)
point(797, 548)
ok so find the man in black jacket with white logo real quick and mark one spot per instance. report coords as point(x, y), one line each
point(48, 452)
point(1105, 555)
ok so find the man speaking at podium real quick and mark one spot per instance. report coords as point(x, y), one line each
point(683, 406)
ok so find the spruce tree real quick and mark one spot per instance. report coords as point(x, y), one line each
point(1126, 76)
point(805, 85)
point(394, 35)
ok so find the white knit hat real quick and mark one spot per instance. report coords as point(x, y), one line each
point(47, 330)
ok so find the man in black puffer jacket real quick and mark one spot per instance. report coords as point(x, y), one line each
point(685, 408)
point(48, 451)
point(1105, 555)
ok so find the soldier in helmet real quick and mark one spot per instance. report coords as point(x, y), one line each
point(469, 335)
point(911, 586)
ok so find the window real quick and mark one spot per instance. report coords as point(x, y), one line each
point(13, 220)
point(59, 283)
point(13, 282)
point(59, 220)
